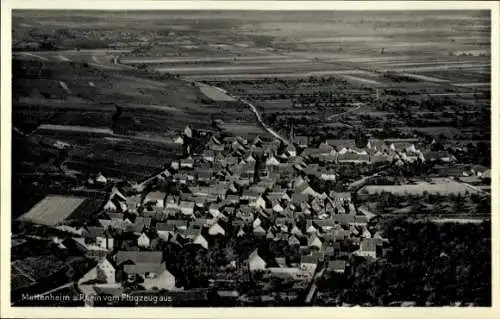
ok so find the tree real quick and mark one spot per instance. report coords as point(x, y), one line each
point(361, 139)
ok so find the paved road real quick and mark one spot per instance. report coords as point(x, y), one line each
point(252, 107)
point(344, 113)
point(261, 122)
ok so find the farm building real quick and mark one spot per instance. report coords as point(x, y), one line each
point(56, 209)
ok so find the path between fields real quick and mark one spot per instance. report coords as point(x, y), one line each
point(344, 113)
point(257, 115)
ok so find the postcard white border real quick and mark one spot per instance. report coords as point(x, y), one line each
point(316, 312)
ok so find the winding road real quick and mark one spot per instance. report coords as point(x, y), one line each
point(257, 115)
point(344, 113)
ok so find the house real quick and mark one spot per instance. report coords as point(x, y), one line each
point(315, 242)
point(255, 262)
point(250, 194)
point(214, 211)
point(233, 199)
point(179, 140)
point(219, 190)
point(133, 203)
point(250, 159)
point(270, 234)
point(486, 175)
point(337, 266)
point(310, 228)
point(138, 257)
point(156, 198)
point(301, 140)
point(308, 264)
point(366, 212)
point(296, 231)
point(187, 162)
point(100, 179)
point(241, 233)
point(272, 161)
point(368, 248)
point(119, 224)
point(143, 241)
point(175, 165)
point(111, 206)
point(204, 175)
point(328, 175)
point(380, 157)
point(103, 272)
point(352, 157)
point(340, 198)
point(290, 150)
point(188, 132)
point(305, 189)
point(244, 214)
point(165, 230)
point(208, 155)
point(79, 231)
point(293, 240)
point(257, 202)
point(276, 196)
point(154, 275)
point(216, 229)
point(100, 237)
point(439, 156)
point(259, 231)
point(186, 208)
point(200, 240)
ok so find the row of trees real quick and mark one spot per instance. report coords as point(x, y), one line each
point(425, 263)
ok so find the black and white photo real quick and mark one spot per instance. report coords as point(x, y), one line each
point(251, 158)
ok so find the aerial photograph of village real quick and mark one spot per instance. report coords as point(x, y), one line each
point(251, 158)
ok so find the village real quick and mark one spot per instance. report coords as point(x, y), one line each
point(238, 222)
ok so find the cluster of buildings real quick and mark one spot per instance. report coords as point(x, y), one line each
point(248, 188)
point(398, 151)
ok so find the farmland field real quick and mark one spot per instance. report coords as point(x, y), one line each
point(336, 73)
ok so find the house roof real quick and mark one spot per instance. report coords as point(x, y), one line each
point(293, 240)
point(250, 193)
point(232, 197)
point(186, 204)
point(138, 257)
point(298, 198)
point(343, 218)
point(351, 156)
point(313, 259)
point(368, 244)
point(339, 144)
point(145, 221)
point(165, 227)
point(142, 268)
point(156, 196)
point(254, 255)
point(204, 173)
point(94, 232)
point(337, 265)
point(177, 222)
point(301, 139)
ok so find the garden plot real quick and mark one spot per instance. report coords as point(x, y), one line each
point(215, 93)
